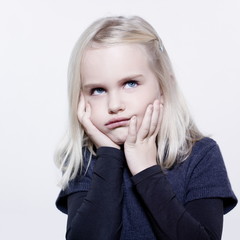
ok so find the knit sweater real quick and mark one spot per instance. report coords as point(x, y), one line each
point(151, 203)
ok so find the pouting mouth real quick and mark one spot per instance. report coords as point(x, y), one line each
point(115, 120)
point(118, 122)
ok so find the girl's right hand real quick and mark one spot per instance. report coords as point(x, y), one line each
point(99, 139)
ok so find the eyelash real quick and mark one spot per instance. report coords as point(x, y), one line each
point(95, 89)
point(132, 82)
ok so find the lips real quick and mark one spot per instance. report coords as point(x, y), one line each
point(117, 122)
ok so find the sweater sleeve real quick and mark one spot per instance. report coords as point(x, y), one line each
point(200, 219)
point(96, 214)
point(188, 202)
point(207, 177)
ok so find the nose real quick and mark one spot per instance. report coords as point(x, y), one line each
point(115, 103)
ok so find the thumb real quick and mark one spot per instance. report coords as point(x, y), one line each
point(132, 131)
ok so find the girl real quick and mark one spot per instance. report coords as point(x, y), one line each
point(134, 165)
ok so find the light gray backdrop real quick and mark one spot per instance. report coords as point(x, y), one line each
point(202, 38)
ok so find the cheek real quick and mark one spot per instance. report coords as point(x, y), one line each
point(141, 112)
point(144, 103)
point(97, 116)
point(94, 113)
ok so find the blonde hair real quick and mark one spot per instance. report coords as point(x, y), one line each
point(178, 132)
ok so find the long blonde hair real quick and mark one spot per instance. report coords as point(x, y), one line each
point(178, 132)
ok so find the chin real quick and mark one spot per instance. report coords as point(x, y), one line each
point(119, 141)
point(119, 137)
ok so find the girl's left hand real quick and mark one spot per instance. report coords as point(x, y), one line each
point(140, 146)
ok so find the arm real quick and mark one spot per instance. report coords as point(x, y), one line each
point(96, 214)
point(199, 219)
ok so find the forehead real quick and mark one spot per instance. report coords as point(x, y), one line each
point(116, 61)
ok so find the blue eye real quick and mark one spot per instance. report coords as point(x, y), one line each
point(131, 84)
point(97, 91)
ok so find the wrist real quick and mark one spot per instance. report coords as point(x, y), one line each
point(108, 145)
point(141, 176)
point(137, 170)
point(111, 152)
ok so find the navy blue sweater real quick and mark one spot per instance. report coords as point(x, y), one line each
point(185, 202)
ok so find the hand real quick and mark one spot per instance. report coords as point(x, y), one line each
point(140, 146)
point(98, 138)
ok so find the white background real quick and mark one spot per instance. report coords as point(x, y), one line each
point(36, 38)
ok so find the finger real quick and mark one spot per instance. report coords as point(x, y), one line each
point(85, 121)
point(145, 126)
point(155, 117)
point(159, 120)
point(84, 113)
point(88, 111)
point(81, 108)
point(132, 130)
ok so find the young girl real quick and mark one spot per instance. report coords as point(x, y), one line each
point(134, 165)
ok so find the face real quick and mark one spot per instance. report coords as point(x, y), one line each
point(118, 84)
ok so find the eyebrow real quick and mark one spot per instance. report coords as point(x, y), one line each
point(99, 84)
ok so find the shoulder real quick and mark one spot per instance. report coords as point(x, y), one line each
point(204, 151)
point(206, 174)
point(203, 175)
point(203, 146)
point(80, 183)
